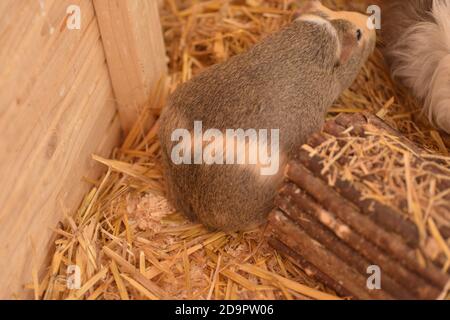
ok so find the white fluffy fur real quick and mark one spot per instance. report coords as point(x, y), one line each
point(422, 61)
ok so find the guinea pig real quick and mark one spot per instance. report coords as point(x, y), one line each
point(416, 36)
point(221, 166)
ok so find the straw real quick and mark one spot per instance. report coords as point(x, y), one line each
point(128, 241)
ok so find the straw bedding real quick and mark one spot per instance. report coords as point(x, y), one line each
point(130, 244)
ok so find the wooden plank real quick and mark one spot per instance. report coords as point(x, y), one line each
point(328, 224)
point(134, 48)
point(57, 107)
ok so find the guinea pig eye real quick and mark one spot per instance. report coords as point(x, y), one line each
point(359, 34)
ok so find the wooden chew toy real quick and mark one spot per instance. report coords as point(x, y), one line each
point(334, 234)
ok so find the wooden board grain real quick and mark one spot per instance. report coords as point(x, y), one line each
point(132, 37)
point(56, 108)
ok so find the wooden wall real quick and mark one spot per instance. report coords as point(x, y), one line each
point(134, 51)
point(57, 107)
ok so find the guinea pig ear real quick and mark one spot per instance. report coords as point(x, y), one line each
point(309, 6)
point(348, 44)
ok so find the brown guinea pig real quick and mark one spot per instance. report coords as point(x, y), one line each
point(221, 166)
point(416, 35)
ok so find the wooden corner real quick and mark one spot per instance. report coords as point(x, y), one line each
point(134, 48)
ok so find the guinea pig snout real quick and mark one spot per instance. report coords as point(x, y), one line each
point(360, 21)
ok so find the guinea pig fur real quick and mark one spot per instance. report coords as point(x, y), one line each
point(416, 35)
point(287, 82)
